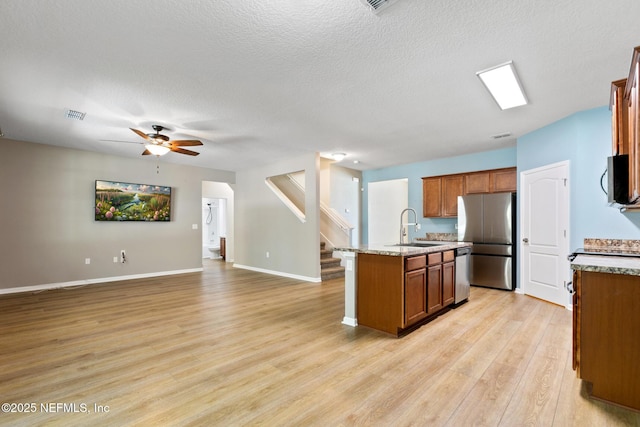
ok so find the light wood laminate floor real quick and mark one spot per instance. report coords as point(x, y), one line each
point(232, 347)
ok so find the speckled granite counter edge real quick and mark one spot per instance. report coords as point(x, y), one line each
point(391, 250)
point(607, 264)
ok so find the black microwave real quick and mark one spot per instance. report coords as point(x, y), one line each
point(618, 179)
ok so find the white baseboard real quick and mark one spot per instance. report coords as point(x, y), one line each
point(60, 285)
point(350, 321)
point(279, 273)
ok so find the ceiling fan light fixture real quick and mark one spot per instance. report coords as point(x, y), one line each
point(338, 156)
point(157, 150)
point(504, 86)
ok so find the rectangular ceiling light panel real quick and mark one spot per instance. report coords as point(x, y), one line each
point(503, 84)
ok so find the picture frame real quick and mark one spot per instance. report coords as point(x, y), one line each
point(123, 201)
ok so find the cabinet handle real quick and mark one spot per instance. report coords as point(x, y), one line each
point(569, 287)
point(525, 240)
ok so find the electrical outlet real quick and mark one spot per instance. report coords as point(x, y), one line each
point(87, 261)
point(115, 259)
point(123, 256)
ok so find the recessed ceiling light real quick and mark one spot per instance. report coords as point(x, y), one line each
point(74, 115)
point(502, 83)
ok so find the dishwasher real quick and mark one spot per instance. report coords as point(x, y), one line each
point(462, 275)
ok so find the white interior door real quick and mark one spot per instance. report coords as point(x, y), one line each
point(545, 232)
point(387, 199)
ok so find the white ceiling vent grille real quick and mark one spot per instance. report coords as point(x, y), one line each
point(501, 135)
point(377, 5)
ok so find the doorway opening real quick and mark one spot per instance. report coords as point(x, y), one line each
point(214, 227)
point(217, 221)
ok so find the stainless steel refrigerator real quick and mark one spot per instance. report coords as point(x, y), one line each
point(488, 221)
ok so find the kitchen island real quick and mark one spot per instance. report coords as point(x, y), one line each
point(397, 288)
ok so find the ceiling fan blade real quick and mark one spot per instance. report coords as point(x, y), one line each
point(186, 142)
point(141, 134)
point(146, 153)
point(183, 151)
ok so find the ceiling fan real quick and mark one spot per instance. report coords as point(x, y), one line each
point(159, 145)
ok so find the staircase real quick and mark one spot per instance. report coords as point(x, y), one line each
point(330, 267)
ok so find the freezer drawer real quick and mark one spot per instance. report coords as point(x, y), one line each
point(491, 271)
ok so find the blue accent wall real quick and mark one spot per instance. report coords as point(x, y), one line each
point(584, 139)
point(414, 172)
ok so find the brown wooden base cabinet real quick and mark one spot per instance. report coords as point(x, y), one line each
point(395, 294)
point(606, 335)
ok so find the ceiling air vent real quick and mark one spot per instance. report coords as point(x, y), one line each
point(74, 115)
point(377, 5)
point(501, 135)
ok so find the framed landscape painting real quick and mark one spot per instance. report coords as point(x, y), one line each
point(123, 201)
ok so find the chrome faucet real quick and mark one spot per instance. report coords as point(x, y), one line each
point(402, 224)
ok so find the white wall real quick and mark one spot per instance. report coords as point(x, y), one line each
point(264, 224)
point(47, 217)
point(387, 199)
point(584, 139)
point(346, 197)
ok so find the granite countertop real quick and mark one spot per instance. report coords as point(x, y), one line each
point(607, 264)
point(393, 250)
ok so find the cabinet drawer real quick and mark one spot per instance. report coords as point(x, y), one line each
point(435, 258)
point(448, 256)
point(415, 262)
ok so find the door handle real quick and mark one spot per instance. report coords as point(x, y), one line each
point(525, 240)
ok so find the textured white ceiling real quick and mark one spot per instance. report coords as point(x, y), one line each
point(257, 81)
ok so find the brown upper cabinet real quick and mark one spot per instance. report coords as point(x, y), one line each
point(477, 182)
point(619, 128)
point(503, 180)
point(625, 121)
point(440, 193)
point(452, 187)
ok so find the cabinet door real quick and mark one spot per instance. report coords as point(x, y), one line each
point(619, 126)
point(452, 187)
point(415, 296)
point(478, 182)
point(576, 322)
point(632, 95)
point(503, 180)
point(431, 197)
point(434, 288)
point(448, 283)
